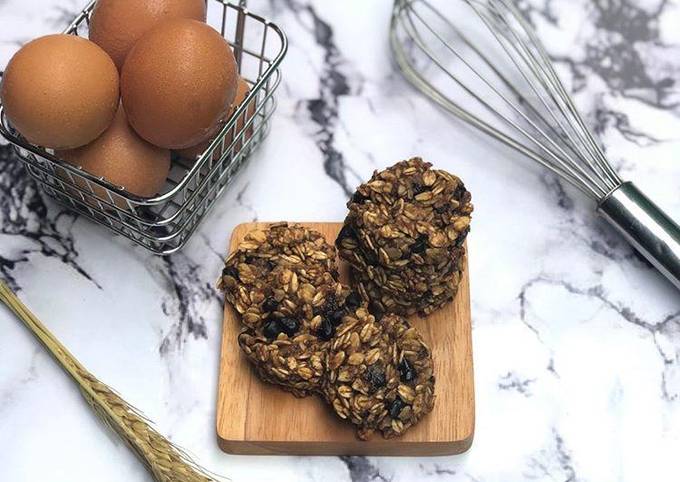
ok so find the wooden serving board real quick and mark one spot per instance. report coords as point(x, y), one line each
point(254, 417)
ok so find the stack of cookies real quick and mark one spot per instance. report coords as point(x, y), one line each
point(306, 332)
point(404, 238)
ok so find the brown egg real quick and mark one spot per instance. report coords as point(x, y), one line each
point(178, 81)
point(116, 25)
point(124, 159)
point(241, 93)
point(60, 91)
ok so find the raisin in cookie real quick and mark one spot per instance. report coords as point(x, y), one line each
point(289, 344)
point(248, 272)
point(283, 283)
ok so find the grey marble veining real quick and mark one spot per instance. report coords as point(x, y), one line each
point(576, 338)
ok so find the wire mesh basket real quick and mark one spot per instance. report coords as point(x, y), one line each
point(165, 222)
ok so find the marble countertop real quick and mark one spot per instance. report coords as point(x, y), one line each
point(576, 339)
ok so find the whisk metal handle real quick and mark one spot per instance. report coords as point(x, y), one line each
point(655, 235)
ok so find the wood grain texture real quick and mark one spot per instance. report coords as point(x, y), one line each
point(254, 417)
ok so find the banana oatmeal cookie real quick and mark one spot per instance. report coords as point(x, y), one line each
point(380, 374)
point(404, 236)
point(248, 271)
point(283, 283)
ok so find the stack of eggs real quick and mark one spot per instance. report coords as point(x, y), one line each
point(153, 77)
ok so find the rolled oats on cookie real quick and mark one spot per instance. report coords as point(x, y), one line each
point(283, 283)
point(380, 374)
point(275, 280)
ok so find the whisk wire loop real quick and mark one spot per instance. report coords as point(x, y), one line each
point(519, 99)
point(561, 141)
point(520, 49)
point(549, 70)
point(415, 37)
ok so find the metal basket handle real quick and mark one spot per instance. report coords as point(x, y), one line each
point(240, 30)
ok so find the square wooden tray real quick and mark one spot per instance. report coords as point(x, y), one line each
point(254, 417)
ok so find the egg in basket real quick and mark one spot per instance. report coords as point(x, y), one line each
point(142, 126)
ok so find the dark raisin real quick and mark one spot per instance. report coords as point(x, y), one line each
point(331, 304)
point(358, 198)
point(420, 245)
point(345, 232)
point(418, 188)
point(289, 326)
point(461, 237)
point(336, 317)
point(330, 310)
point(326, 329)
point(406, 371)
point(270, 304)
point(442, 208)
point(396, 407)
point(376, 310)
point(270, 265)
point(353, 300)
point(459, 192)
point(230, 271)
point(271, 328)
point(375, 376)
point(250, 259)
point(370, 257)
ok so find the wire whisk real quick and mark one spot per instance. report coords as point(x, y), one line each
point(482, 61)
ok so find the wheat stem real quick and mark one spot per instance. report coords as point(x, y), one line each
point(165, 461)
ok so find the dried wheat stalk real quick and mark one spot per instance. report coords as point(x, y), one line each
point(165, 461)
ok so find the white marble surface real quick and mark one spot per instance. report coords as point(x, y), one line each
point(576, 340)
